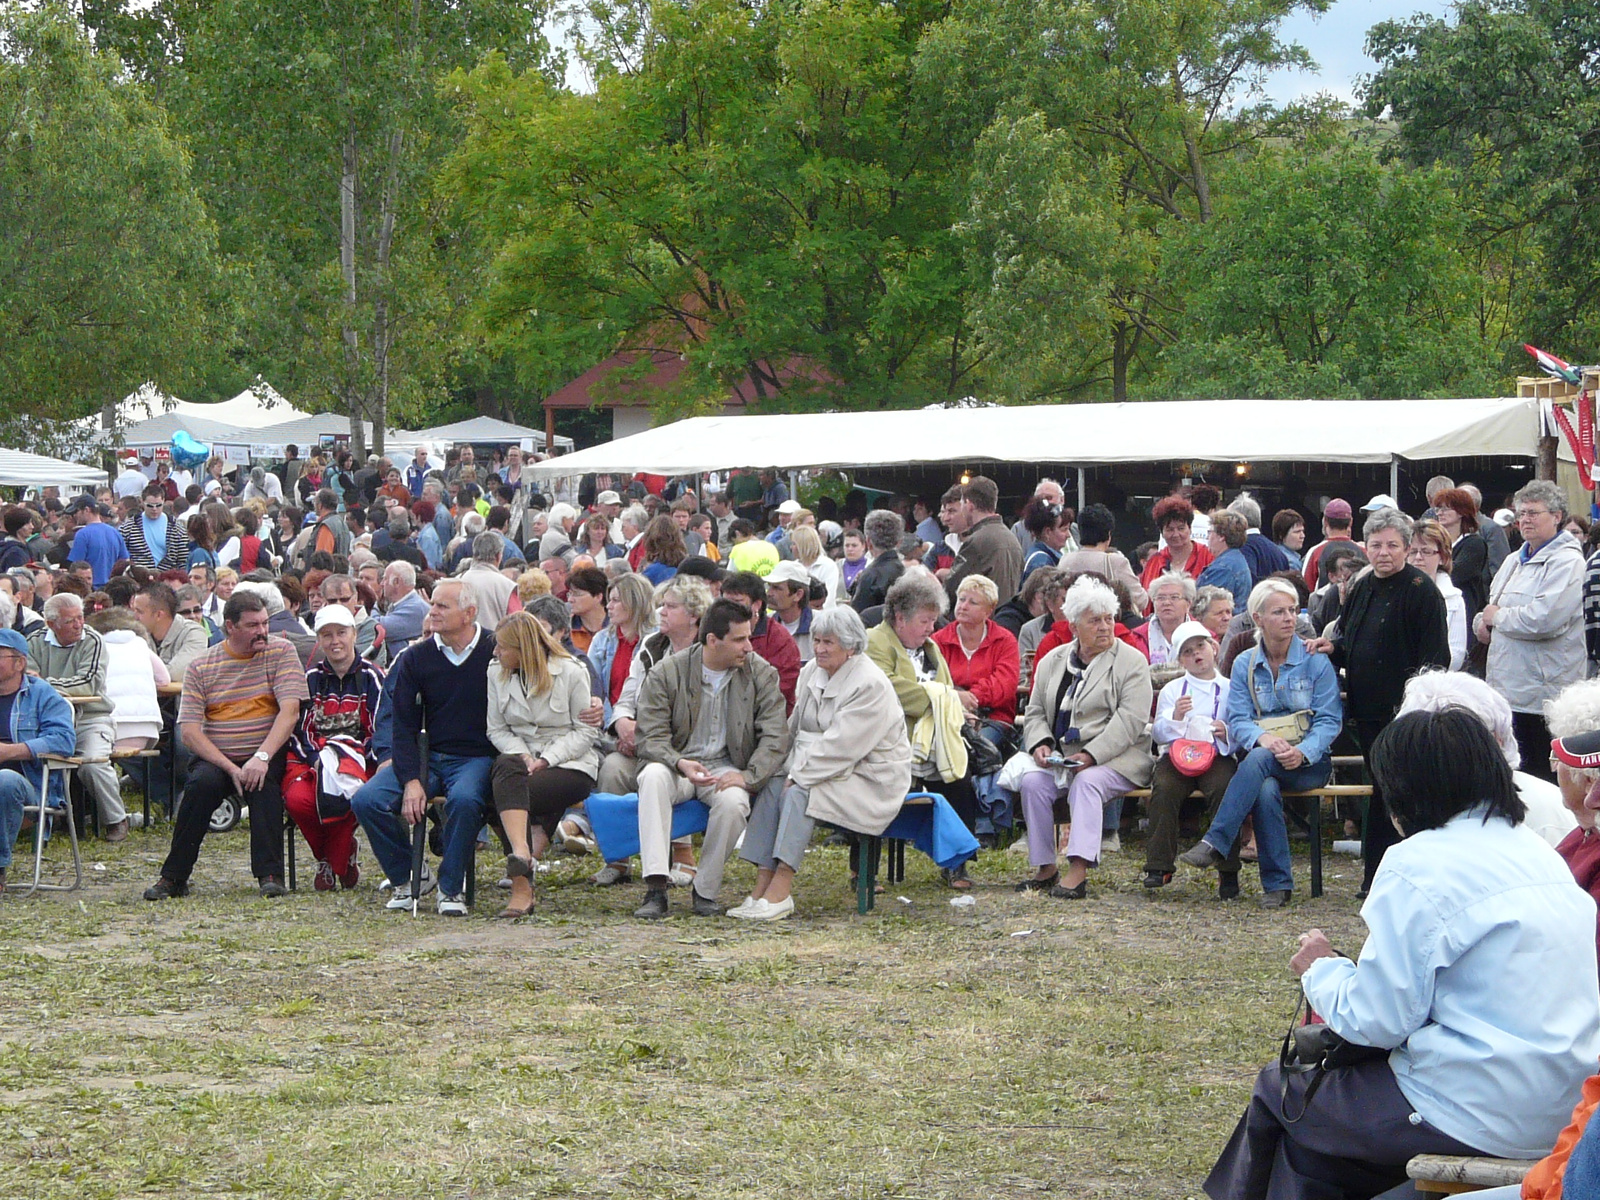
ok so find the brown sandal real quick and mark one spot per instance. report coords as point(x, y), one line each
point(508, 913)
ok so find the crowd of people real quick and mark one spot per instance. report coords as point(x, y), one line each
point(361, 650)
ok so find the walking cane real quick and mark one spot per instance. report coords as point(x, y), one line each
point(419, 831)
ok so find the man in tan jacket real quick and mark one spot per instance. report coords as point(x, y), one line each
point(987, 547)
point(710, 726)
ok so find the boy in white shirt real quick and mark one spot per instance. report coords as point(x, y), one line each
point(1188, 709)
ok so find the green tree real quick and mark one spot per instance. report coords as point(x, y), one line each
point(748, 186)
point(1101, 130)
point(318, 129)
point(1504, 94)
point(1328, 274)
point(108, 273)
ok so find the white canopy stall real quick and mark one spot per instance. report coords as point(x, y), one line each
point(490, 431)
point(1334, 431)
point(18, 468)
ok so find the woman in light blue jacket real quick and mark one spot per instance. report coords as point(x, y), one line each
point(1476, 989)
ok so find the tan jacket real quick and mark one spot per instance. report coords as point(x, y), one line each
point(855, 759)
point(1111, 709)
point(669, 705)
point(185, 642)
point(545, 726)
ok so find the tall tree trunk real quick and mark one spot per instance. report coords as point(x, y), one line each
point(1120, 354)
point(382, 326)
point(347, 269)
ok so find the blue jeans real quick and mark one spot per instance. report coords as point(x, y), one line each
point(468, 800)
point(15, 791)
point(995, 803)
point(1257, 790)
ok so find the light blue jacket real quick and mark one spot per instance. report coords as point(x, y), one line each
point(602, 652)
point(42, 720)
point(1304, 681)
point(1479, 973)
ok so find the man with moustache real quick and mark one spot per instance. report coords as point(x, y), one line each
point(241, 702)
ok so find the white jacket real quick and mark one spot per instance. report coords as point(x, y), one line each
point(545, 726)
point(1455, 617)
point(1538, 645)
point(131, 684)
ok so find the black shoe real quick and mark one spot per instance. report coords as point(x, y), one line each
point(1275, 899)
point(703, 907)
point(1038, 885)
point(1080, 892)
point(165, 889)
point(1157, 879)
point(2, 881)
point(988, 841)
point(654, 906)
point(272, 886)
point(1227, 885)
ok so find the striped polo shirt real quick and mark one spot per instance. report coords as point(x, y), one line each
point(237, 699)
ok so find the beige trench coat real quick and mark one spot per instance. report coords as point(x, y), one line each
point(856, 760)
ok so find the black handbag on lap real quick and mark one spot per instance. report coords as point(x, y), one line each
point(1310, 1045)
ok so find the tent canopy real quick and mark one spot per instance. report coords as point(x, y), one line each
point(1345, 431)
point(487, 429)
point(253, 408)
point(18, 468)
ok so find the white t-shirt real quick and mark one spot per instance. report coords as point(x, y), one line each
point(1210, 698)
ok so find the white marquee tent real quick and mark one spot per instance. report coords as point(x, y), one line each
point(18, 468)
point(1342, 431)
point(488, 429)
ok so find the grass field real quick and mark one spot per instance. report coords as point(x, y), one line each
point(318, 1046)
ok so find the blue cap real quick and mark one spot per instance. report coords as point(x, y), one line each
point(10, 639)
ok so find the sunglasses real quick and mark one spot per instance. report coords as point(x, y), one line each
point(190, 612)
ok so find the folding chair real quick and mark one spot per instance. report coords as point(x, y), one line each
point(43, 812)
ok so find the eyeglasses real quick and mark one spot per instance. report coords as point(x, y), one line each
point(190, 612)
point(1524, 514)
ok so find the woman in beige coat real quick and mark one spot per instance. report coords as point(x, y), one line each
point(850, 766)
point(548, 758)
point(1087, 728)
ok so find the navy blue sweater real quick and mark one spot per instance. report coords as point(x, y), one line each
point(455, 705)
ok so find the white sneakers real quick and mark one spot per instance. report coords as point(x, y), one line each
point(451, 906)
point(400, 897)
point(763, 909)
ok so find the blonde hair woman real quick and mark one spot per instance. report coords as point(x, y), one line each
point(548, 759)
point(808, 553)
point(531, 583)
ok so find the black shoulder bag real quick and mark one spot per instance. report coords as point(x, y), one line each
point(1311, 1047)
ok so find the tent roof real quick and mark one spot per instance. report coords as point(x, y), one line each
point(18, 468)
point(306, 432)
point(158, 431)
point(247, 410)
point(1348, 431)
point(486, 429)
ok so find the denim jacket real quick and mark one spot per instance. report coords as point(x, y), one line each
point(602, 652)
point(41, 720)
point(1304, 681)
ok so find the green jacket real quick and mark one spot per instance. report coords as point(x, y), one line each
point(884, 648)
point(75, 670)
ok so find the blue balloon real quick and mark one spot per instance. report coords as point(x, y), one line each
point(188, 453)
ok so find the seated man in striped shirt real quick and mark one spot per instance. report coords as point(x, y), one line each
point(241, 701)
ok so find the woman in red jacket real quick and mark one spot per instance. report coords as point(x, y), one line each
point(1174, 517)
point(985, 667)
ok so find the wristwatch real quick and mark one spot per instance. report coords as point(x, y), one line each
point(262, 755)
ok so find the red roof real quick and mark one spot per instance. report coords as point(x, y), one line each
point(592, 389)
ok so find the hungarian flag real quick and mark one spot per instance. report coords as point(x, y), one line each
point(1553, 366)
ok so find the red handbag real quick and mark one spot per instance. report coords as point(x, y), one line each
point(1193, 756)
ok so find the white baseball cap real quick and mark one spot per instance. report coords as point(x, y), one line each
point(789, 507)
point(788, 571)
point(608, 497)
point(1381, 500)
point(1187, 632)
point(334, 614)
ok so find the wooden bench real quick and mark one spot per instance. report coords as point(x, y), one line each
point(1311, 822)
point(1441, 1175)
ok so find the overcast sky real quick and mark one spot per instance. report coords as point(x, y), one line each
point(1335, 41)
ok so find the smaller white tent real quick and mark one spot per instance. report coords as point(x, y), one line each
point(253, 408)
point(489, 430)
point(18, 468)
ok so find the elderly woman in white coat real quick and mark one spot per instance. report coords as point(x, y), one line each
point(850, 765)
point(1533, 623)
point(548, 760)
point(1086, 727)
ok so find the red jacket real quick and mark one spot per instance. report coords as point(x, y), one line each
point(776, 644)
point(1581, 849)
point(991, 673)
point(1161, 561)
point(1061, 633)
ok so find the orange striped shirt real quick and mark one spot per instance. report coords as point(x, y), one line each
point(237, 699)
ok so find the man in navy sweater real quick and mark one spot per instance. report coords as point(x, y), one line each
point(440, 683)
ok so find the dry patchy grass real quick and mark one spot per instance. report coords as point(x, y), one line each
point(320, 1047)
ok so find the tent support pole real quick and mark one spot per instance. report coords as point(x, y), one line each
point(1394, 477)
point(1082, 492)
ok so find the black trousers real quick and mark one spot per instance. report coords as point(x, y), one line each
point(1352, 1143)
point(544, 795)
point(1533, 739)
point(1379, 833)
point(1169, 788)
point(206, 787)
